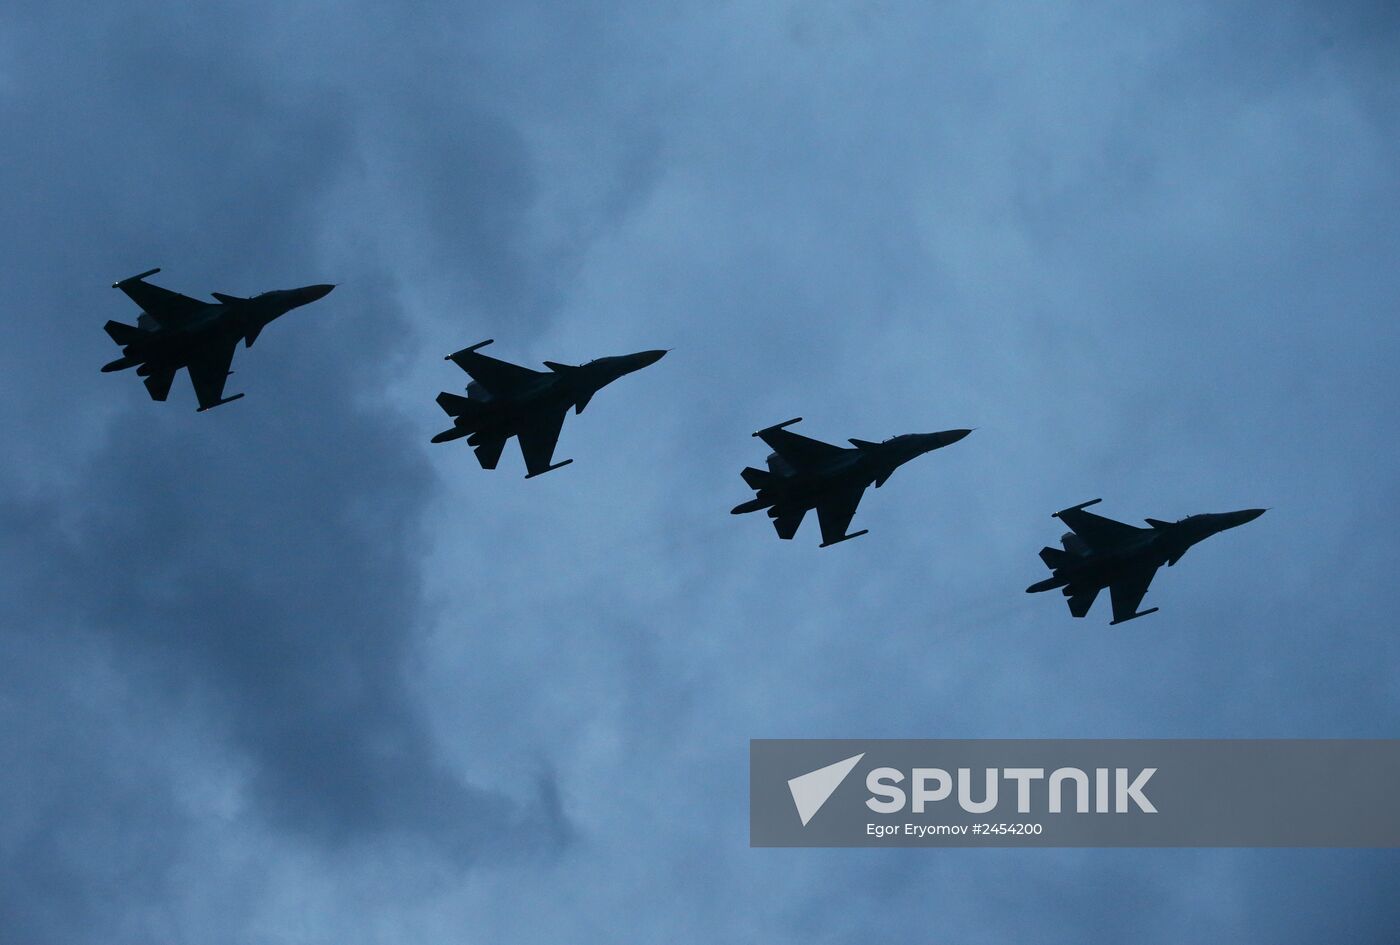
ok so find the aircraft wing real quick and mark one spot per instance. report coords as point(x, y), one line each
point(209, 370)
point(1128, 592)
point(799, 450)
point(788, 520)
point(835, 513)
point(1099, 533)
point(538, 437)
point(165, 306)
point(498, 377)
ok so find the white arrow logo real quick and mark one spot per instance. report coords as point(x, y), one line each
point(811, 790)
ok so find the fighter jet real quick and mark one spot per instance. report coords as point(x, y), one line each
point(506, 400)
point(175, 331)
point(807, 474)
point(1099, 552)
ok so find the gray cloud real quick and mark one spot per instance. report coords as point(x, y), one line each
point(253, 578)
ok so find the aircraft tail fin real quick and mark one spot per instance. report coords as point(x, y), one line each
point(1054, 558)
point(1080, 599)
point(756, 478)
point(159, 384)
point(123, 334)
point(455, 405)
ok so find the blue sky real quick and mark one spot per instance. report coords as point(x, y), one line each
point(286, 673)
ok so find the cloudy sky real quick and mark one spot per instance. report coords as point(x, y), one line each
point(285, 673)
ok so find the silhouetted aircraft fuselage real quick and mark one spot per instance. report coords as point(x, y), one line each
point(239, 320)
point(805, 474)
point(507, 400)
point(856, 467)
point(175, 331)
point(1101, 553)
point(565, 387)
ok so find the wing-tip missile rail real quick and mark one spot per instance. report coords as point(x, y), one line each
point(469, 349)
point(1140, 613)
point(218, 403)
point(1076, 508)
point(137, 278)
point(777, 426)
point(837, 541)
point(548, 469)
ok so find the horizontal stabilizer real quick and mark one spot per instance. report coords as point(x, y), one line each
point(220, 402)
point(227, 299)
point(556, 367)
point(1157, 523)
point(756, 478)
point(124, 334)
point(861, 444)
point(1054, 558)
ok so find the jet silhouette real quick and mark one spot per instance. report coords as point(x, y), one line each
point(505, 400)
point(1099, 552)
point(175, 331)
point(807, 474)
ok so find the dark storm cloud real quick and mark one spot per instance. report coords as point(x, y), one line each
point(269, 575)
point(258, 572)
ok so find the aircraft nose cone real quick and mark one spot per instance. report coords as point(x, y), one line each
point(1235, 519)
point(648, 358)
point(933, 441)
point(314, 292)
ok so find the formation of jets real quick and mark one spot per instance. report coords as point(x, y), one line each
point(507, 400)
